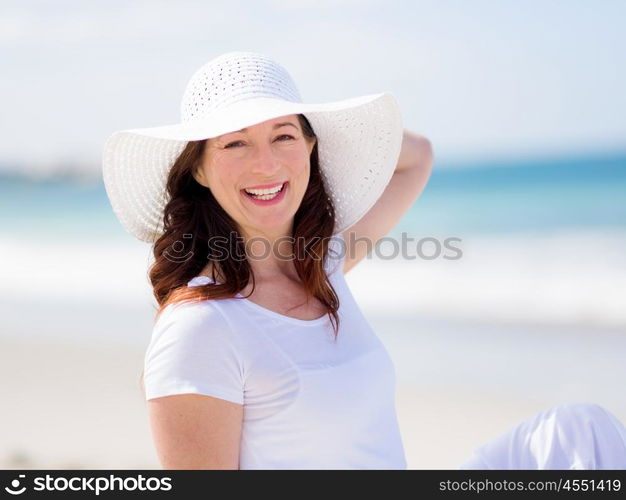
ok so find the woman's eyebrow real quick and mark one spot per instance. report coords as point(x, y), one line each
point(276, 125)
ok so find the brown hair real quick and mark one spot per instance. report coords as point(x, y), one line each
point(192, 216)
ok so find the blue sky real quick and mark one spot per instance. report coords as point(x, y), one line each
point(481, 79)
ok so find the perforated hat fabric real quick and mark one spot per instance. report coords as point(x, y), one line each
point(358, 139)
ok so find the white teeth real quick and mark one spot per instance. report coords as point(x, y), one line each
point(265, 191)
point(266, 196)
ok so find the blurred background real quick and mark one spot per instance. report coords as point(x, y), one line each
point(524, 104)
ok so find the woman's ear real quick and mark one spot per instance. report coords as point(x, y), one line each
point(198, 175)
point(198, 172)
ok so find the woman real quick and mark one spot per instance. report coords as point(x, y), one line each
point(257, 205)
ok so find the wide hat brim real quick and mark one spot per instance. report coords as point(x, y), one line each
point(358, 141)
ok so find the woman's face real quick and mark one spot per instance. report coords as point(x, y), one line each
point(266, 156)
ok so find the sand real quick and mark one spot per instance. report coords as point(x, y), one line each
point(76, 406)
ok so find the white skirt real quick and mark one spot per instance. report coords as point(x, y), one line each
point(569, 436)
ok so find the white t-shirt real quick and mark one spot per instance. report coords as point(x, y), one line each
point(310, 402)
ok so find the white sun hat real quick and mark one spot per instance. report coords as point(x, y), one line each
point(358, 139)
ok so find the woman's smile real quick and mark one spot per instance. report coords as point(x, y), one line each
point(267, 196)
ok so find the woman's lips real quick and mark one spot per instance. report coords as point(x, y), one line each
point(264, 203)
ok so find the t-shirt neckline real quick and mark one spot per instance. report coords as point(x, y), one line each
point(203, 280)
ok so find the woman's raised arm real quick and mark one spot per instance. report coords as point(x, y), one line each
point(407, 183)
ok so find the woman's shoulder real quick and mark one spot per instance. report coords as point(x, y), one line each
point(191, 318)
point(193, 350)
point(196, 329)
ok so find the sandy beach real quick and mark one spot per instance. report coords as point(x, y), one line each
point(80, 407)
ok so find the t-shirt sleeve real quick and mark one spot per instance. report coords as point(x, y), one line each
point(193, 351)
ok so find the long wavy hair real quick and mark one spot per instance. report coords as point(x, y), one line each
point(192, 216)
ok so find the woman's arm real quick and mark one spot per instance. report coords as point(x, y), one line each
point(407, 182)
point(194, 431)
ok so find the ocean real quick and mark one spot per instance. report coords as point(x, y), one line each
point(540, 241)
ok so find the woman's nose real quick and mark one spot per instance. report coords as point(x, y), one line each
point(265, 160)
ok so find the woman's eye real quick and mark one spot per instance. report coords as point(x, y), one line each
point(231, 144)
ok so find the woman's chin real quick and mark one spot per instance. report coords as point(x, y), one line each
point(268, 222)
